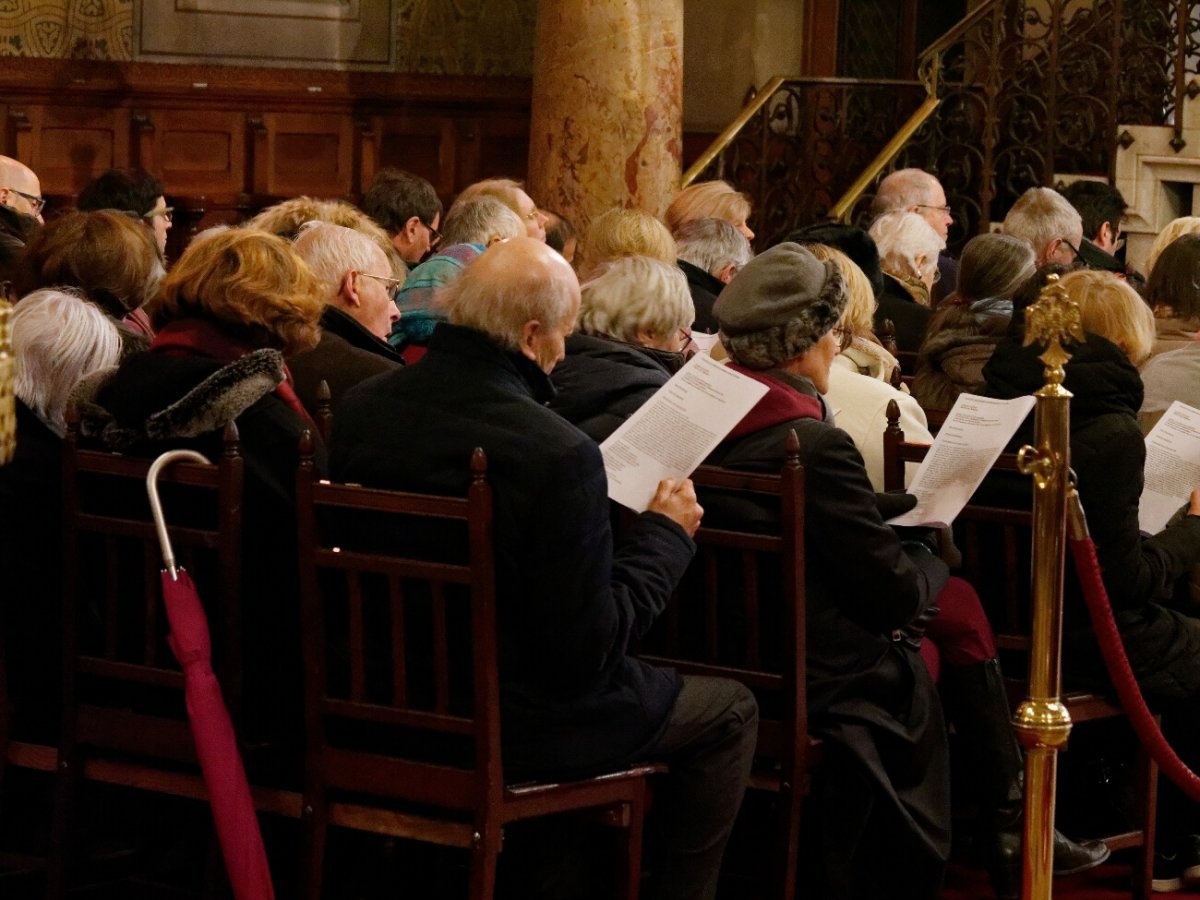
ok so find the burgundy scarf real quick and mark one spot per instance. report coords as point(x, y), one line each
point(198, 337)
point(781, 403)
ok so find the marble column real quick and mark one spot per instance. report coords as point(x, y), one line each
point(607, 117)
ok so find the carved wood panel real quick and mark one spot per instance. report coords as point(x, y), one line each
point(68, 145)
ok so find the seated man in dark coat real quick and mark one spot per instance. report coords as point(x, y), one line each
point(883, 802)
point(359, 286)
point(568, 604)
point(711, 252)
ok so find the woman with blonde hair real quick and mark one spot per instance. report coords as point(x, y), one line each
point(1174, 229)
point(709, 200)
point(863, 353)
point(1140, 572)
point(625, 232)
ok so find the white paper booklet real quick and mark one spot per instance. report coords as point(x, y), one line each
point(676, 429)
point(973, 436)
point(1172, 466)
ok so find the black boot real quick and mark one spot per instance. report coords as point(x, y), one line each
point(977, 705)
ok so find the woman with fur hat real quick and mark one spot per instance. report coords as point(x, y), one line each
point(884, 800)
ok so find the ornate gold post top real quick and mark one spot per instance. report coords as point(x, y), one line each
point(8, 400)
point(1053, 319)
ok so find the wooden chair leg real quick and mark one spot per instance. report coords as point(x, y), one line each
point(66, 789)
point(787, 846)
point(1147, 813)
point(484, 858)
point(314, 824)
point(635, 810)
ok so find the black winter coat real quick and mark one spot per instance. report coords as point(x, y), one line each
point(868, 695)
point(705, 289)
point(601, 382)
point(347, 354)
point(1108, 454)
point(910, 317)
point(567, 604)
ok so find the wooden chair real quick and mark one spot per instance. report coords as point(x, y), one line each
point(995, 544)
point(739, 613)
point(124, 720)
point(402, 693)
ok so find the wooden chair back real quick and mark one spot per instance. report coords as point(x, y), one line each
point(400, 648)
point(739, 613)
point(123, 689)
point(402, 701)
point(996, 547)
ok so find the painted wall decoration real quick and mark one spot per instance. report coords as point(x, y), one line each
point(451, 37)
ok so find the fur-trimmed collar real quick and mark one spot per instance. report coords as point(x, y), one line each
point(209, 406)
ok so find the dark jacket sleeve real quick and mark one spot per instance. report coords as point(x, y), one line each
point(1136, 569)
point(876, 583)
point(588, 601)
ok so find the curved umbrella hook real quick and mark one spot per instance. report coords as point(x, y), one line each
point(164, 540)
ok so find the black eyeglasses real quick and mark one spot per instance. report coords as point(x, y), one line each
point(844, 337)
point(393, 284)
point(435, 236)
point(36, 202)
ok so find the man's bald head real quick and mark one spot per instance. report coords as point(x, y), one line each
point(915, 191)
point(18, 183)
point(522, 294)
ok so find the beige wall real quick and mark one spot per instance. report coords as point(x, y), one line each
point(727, 47)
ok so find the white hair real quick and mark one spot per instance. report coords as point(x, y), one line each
point(501, 307)
point(902, 190)
point(902, 237)
point(333, 250)
point(59, 337)
point(635, 293)
point(480, 220)
point(1042, 216)
point(712, 244)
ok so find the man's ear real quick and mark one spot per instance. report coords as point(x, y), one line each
point(726, 274)
point(348, 290)
point(529, 334)
point(411, 226)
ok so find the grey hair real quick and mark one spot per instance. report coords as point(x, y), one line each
point(1041, 216)
point(779, 344)
point(480, 220)
point(712, 244)
point(902, 190)
point(333, 250)
point(58, 338)
point(636, 293)
point(994, 265)
point(500, 308)
point(903, 236)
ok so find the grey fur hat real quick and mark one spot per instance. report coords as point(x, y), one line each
point(779, 305)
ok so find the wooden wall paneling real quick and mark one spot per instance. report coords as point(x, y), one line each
point(197, 152)
point(305, 153)
point(502, 144)
point(366, 155)
point(70, 145)
point(426, 145)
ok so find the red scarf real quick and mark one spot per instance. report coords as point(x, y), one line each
point(199, 337)
point(781, 403)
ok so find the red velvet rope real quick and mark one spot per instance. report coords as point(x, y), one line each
point(1083, 550)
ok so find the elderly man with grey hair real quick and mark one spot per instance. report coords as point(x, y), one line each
point(572, 697)
point(918, 191)
point(471, 227)
point(711, 252)
point(359, 286)
point(633, 326)
point(1051, 225)
point(884, 806)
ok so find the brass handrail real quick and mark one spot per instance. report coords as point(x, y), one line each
point(726, 137)
point(955, 34)
point(841, 210)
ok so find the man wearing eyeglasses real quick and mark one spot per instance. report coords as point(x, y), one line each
point(360, 288)
point(407, 207)
point(917, 191)
point(1051, 225)
point(136, 193)
point(20, 188)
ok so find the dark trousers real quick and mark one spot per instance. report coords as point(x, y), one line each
point(709, 746)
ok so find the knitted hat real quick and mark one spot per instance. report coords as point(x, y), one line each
point(851, 240)
point(779, 305)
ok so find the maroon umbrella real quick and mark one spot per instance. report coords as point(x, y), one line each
point(212, 730)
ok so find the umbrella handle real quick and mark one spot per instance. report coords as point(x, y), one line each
point(164, 540)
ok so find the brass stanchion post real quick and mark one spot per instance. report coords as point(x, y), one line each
point(1042, 722)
